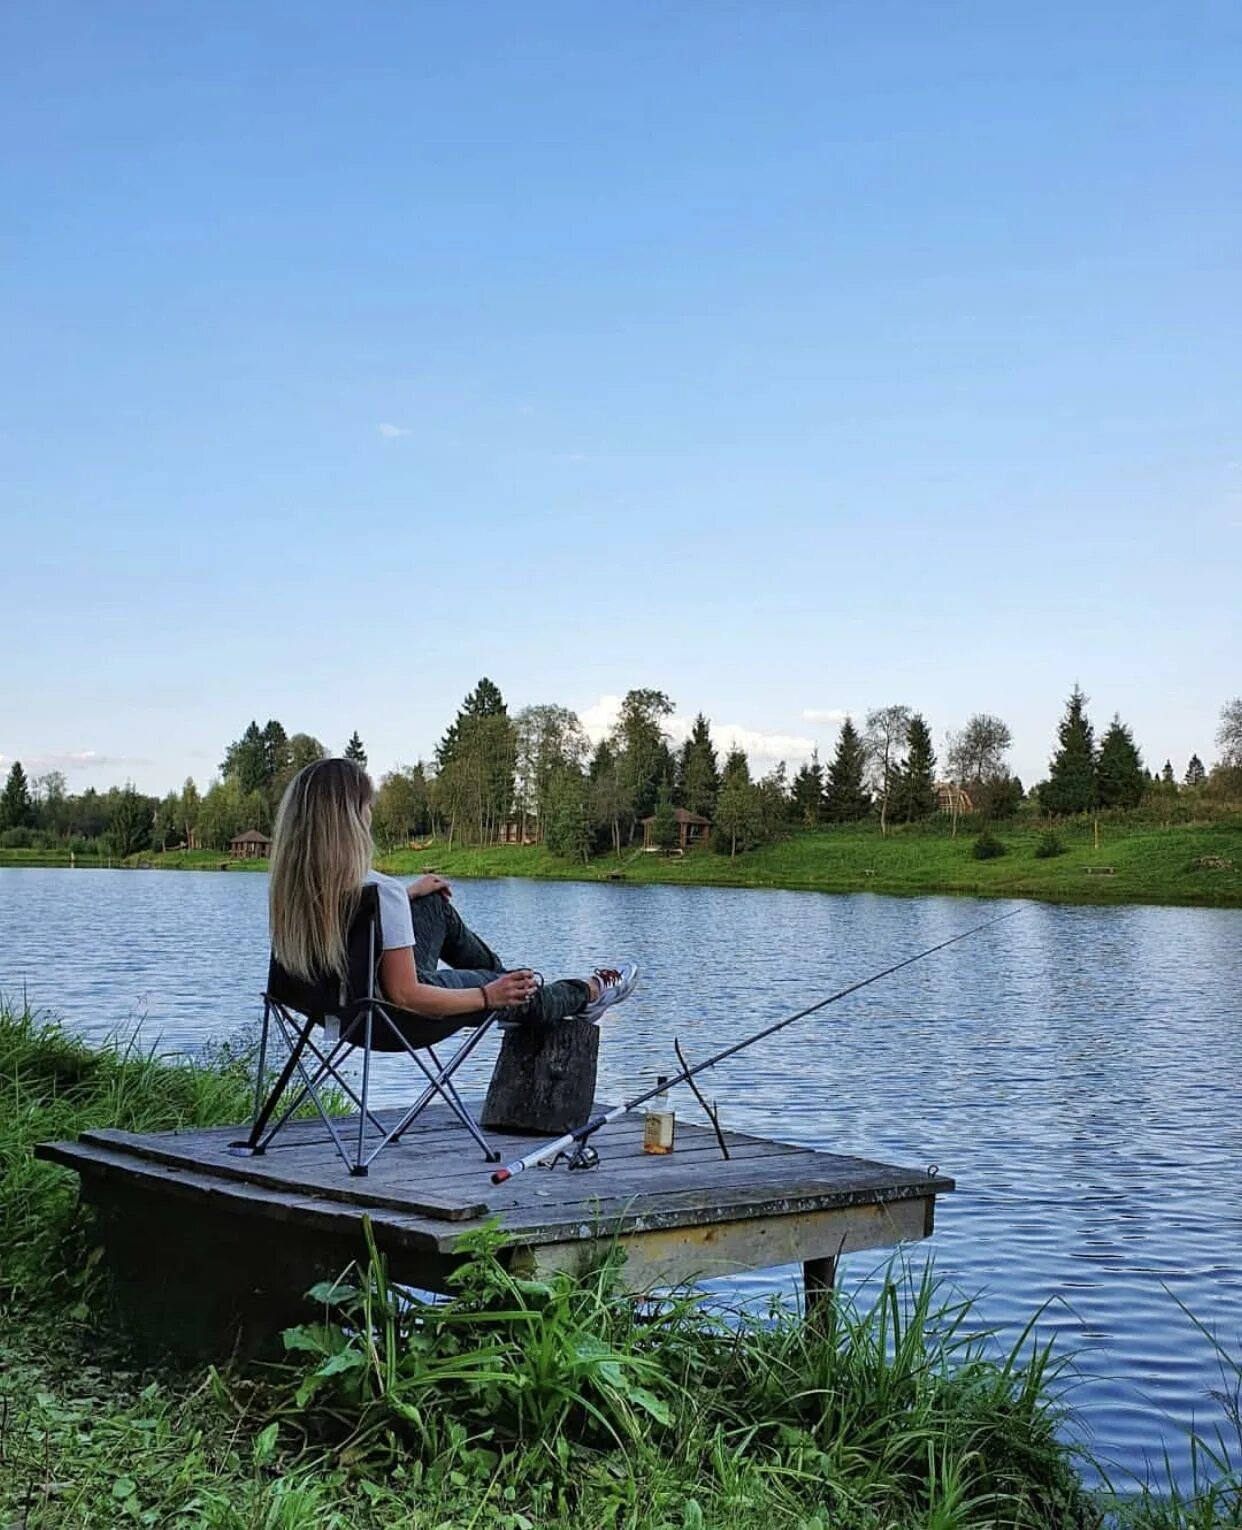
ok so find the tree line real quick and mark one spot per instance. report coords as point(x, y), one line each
point(533, 775)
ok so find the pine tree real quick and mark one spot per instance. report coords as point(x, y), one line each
point(355, 752)
point(1072, 785)
point(698, 775)
point(1195, 773)
point(16, 808)
point(1166, 775)
point(807, 799)
point(246, 760)
point(845, 796)
point(1119, 773)
point(915, 791)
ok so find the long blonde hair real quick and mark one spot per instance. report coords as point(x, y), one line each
point(321, 853)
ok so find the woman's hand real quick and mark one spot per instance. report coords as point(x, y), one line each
point(427, 885)
point(512, 989)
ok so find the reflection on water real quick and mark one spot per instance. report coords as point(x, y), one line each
point(1078, 1071)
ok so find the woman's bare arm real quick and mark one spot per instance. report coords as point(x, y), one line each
point(400, 985)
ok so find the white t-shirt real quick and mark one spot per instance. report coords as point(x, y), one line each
point(396, 921)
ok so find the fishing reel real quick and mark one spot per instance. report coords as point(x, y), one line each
point(584, 1156)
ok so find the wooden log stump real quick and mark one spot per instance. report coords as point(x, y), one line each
point(544, 1079)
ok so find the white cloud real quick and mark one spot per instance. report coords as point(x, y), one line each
point(834, 715)
point(572, 457)
point(762, 749)
point(391, 432)
point(74, 759)
point(597, 721)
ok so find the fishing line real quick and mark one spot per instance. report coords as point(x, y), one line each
point(580, 1134)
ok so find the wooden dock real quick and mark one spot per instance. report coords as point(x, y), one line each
point(204, 1239)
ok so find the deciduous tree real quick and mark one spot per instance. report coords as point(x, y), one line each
point(664, 823)
point(884, 740)
point(639, 742)
point(609, 804)
point(737, 806)
point(567, 830)
point(129, 828)
point(548, 740)
point(977, 753)
point(1229, 734)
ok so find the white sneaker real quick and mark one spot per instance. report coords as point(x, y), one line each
point(615, 984)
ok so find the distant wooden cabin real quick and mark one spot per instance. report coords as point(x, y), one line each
point(515, 832)
point(250, 846)
point(692, 829)
point(952, 798)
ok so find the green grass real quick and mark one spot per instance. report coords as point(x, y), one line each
point(554, 1404)
point(1151, 862)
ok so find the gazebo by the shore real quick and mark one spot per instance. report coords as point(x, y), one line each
point(250, 846)
point(692, 829)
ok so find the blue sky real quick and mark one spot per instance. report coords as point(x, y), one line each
point(794, 358)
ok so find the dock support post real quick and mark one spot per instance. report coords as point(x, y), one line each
point(819, 1279)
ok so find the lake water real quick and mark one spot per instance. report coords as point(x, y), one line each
point(1078, 1071)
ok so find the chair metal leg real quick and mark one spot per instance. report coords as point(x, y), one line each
point(264, 1113)
point(361, 1164)
point(428, 1094)
point(326, 1068)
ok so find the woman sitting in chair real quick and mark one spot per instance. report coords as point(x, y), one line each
point(321, 860)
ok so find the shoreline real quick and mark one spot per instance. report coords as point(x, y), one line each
point(1184, 865)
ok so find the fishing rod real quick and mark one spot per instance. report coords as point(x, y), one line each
point(580, 1134)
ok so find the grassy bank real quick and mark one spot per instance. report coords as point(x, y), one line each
point(514, 1405)
point(1133, 862)
point(1149, 864)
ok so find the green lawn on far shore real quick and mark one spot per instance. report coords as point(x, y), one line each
point(1134, 863)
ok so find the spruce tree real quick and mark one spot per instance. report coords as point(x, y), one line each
point(16, 808)
point(807, 799)
point(354, 750)
point(914, 790)
point(698, 775)
point(1166, 775)
point(845, 796)
point(1120, 774)
point(1072, 785)
point(245, 761)
point(1195, 773)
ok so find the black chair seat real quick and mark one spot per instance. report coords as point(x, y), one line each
point(353, 1015)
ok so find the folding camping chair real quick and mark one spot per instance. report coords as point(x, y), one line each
point(353, 1016)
